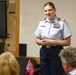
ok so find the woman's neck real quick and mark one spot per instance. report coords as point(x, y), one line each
point(51, 19)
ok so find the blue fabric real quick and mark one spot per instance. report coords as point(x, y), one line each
point(50, 62)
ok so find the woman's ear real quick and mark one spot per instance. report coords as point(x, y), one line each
point(55, 9)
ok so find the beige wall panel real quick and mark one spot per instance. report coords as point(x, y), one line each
point(11, 28)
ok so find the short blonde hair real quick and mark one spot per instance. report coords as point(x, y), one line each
point(69, 55)
point(8, 64)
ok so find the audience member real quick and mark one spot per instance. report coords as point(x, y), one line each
point(68, 58)
point(8, 64)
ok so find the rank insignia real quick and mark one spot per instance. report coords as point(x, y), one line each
point(61, 19)
point(56, 25)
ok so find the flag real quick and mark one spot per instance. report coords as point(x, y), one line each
point(30, 68)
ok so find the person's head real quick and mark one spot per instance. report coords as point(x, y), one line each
point(8, 64)
point(49, 10)
point(68, 58)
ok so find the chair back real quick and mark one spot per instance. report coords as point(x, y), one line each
point(23, 63)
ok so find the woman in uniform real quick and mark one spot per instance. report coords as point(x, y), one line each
point(52, 33)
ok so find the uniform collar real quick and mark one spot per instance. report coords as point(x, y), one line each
point(54, 21)
point(73, 72)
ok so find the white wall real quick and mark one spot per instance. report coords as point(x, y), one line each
point(31, 12)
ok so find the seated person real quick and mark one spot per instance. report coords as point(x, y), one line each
point(68, 58)
point(8, 64)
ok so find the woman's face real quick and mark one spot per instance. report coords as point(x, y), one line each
point(49, 11)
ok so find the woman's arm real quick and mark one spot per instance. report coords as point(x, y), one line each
point(38, 41)
point(49, 42)
point(65, 42)
point(41, 42)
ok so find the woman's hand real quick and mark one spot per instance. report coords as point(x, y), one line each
point(47, 42)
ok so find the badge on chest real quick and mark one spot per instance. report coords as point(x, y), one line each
point(56, 25)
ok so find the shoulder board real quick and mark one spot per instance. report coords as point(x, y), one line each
point(43, 19)
point(61, 19)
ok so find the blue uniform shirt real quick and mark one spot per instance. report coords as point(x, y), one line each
point(57, 29)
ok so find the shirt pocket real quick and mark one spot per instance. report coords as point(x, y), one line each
point(42, 28)
point(55, 33)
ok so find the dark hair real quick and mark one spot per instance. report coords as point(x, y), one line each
point(50, 4)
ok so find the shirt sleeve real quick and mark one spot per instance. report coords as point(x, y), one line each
point(37, 33)
point(66, 30)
